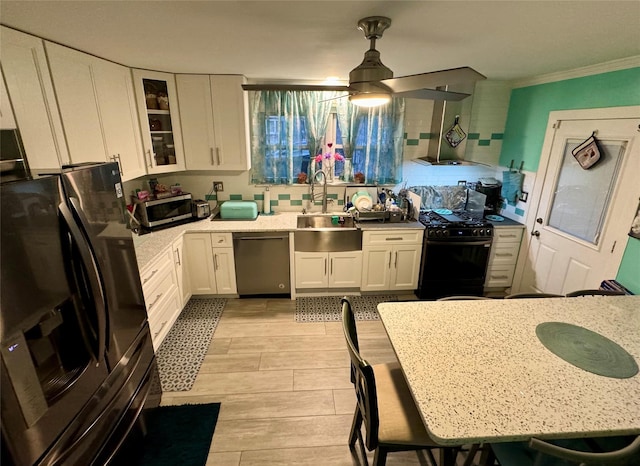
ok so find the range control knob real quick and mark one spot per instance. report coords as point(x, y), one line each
point(446, 232)
point(475, 232)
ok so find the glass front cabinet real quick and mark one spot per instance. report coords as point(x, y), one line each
point(159, 121)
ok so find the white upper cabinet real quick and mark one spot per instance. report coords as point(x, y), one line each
point(159, 116)
point(7, 121)
point(214, 116)
point(24, 65)
point(97, 104)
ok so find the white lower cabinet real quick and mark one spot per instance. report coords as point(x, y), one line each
point(391, 259)
point(161, 295)
point(210, 263)
point(328, 269)
point(182, 272)
point(503, 257)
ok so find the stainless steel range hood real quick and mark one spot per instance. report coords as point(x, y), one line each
point(439, 151)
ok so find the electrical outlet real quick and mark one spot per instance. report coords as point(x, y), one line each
point(218, 186)
point(524, 196)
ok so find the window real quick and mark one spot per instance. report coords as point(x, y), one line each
point(288, 129)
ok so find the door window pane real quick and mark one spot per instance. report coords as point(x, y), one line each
point(581, 197)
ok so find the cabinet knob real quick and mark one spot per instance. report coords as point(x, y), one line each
point(535, 233)
point(539, 220)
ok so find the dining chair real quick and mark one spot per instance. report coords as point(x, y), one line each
point(604, 451)
point(533, 295)
point(385, 406)
point(574, 294)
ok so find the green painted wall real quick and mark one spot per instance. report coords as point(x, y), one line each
point(526, 124)
point(529, 109)
point(629, 271)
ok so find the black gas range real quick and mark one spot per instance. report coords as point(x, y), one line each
point(455, 254)
point(454, 225)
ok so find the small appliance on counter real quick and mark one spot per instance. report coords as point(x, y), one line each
point(200, 209)
point(153, 212)
point(491, 188)
point(239, 210)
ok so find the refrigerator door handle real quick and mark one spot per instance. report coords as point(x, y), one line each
point(91, 265)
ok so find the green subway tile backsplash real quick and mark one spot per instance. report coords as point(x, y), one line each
point(425, 136)
point(519, 212)
point(211, 197)
point(473, 136)
point(284, 197)
point(497, 135)
point(306, 197)
point(235, 197)
point(258, 197)
point(296, 202)
point(484, 142)
point(413, 142)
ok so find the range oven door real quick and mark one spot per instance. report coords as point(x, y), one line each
point(453, 267)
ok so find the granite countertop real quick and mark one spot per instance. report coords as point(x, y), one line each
point(149, 245)
point(507, 223)
point(479, 373)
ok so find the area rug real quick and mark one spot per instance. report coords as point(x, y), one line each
point(177, 435)
point(328, 309)
point(183, 350)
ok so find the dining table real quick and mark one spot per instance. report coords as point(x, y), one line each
point(499, 370)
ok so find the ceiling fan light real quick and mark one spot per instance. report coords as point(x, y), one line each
point(374, 99)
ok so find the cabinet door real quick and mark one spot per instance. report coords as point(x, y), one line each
point(73, 77)
point(199, 259)
point(405, 267)
point(376, 268)
point(24, 65)
point(159, 121)
point(345, 269)
point(196, 117)
point(230, 119)
point(225, 270)
point(7, 121)
point(184, 286)
point(119, 116)
point(312, 269)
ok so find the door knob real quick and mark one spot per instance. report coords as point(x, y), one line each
point(539, 220)
point(535, 233)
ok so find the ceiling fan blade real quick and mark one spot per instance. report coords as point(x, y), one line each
point(293, 87)
point(431, 94)
point(433, 79)
point(335, 98)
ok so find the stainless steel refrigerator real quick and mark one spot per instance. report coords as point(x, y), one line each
point(77, 359)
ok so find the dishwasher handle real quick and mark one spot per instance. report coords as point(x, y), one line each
point(244, 238)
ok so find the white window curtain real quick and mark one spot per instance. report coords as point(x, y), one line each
point(287, 130)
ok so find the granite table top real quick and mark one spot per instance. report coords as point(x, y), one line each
point(151, 244)
point(478, 373)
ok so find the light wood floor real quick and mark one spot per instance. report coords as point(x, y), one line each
point(284, 387)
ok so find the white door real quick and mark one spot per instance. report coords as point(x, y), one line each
point(583, 217)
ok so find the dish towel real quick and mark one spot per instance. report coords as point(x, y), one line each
point(512, 186)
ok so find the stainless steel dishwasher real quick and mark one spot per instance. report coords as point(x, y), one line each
point(262, 263)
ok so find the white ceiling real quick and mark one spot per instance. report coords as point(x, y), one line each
point(311, 40)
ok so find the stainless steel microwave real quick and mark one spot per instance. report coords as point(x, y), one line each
point(154, 212)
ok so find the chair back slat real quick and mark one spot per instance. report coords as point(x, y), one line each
point(577, 293)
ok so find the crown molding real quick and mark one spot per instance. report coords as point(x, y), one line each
point(614, 65)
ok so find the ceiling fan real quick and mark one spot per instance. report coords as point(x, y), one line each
point(372, 84)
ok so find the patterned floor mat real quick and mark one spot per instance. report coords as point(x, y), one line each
point(327, 308)
point(182, 352)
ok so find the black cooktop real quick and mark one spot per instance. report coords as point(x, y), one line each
point(455, 219)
